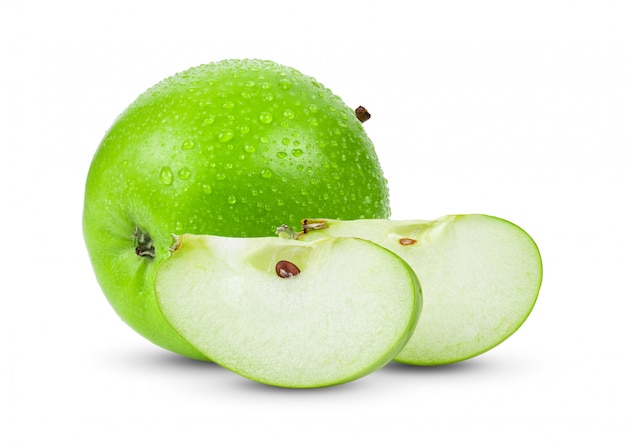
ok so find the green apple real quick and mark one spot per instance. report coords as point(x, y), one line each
point(290, 313)
point(480, 277)
point(231, 148)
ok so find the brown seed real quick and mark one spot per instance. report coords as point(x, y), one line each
point(407, 241)
point(362, 114)
point(286, 269)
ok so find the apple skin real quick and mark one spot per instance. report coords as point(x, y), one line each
point(232, 148)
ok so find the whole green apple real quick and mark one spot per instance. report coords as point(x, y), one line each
point(232, 148)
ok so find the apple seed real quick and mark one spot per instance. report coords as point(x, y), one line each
point(286, 269)
point(407, 241)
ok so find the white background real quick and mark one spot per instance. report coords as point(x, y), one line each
point(515, 109)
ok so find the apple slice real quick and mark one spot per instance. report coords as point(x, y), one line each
point(480, 277)
point(290, 313)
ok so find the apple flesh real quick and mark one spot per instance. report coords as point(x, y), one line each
point(480, 277)
point(289, 313)
point(231, 148)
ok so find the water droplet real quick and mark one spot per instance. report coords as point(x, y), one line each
point(184, 173)
point(166, 175)
point(249, 83)
point(244, 129)
point(288, 113)
point(286, 141)
point(313, 121)
point(188, 144)
point(228, 105)
point(206, 189)
point(297, 152)
point(208, 120)
point(220, 176)
point(266, 174)
point(284, 84)
point(250, 149)
point(179, 226)
point(281, 154)
point(232, 200)
point(269, 97)
point(313, 108)
point(226, 136)
point(265, 117)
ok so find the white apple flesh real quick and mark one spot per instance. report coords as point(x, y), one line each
point(480, 277)
point(290, 313)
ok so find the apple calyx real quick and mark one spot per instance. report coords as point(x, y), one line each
point(144, 245)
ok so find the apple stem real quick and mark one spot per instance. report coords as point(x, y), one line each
point(362, 114)
point(144, 246)
point(313, 224)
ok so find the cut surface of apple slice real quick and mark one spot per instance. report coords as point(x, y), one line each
point(290, 313)
point(480, 277)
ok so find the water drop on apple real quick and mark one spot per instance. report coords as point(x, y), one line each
point(284, 84)
point(266, 117)
point(166, 176)
point(226, 136)
point(188, 144)
point(184, 173)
